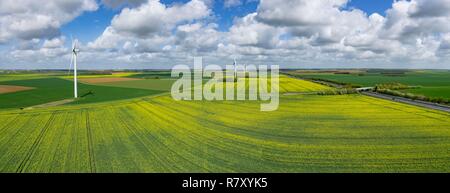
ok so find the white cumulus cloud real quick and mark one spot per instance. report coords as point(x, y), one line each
point(29, 19)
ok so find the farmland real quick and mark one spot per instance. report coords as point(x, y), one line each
point(54, 89)
point(308, 133)
point(11, 89)
point(431, 83)
point(102, 88)
point(152, 84)
point(289, 85)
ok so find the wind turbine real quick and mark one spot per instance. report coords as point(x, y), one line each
point(235, 70)
point(73, 60)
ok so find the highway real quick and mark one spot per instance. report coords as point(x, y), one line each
point(424, 104)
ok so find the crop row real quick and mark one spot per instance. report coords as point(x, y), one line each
point(307, 134)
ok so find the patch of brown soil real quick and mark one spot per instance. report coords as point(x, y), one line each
point(105, 80)
point(12, 88)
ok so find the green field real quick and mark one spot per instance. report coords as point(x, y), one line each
point(54, 89)
point(287, 85)
point(432, 83)
point(149, 84)
point(57, 87)
point(308, 133)
point(152, 75)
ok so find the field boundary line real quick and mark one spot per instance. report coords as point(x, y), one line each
point(36, 143)
point(320, 82)
point(90, 145)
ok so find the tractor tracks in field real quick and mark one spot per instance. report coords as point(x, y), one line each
point(175, 152)
point(92, 166)
point(6, 126)
point(24, 163)
point(139, 138)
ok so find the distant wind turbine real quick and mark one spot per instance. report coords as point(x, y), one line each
point(73, 60)
point(235, 70)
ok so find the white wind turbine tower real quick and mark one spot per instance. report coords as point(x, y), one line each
point(73, 60)
point(235, 71)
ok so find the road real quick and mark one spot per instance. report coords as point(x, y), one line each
point(424, 104)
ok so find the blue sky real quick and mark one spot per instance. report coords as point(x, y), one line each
point(90, 25)
point(372, 6)
point(291, 33)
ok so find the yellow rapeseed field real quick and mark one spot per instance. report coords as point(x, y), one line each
point(308, 133)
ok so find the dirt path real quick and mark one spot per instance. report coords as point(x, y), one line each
point(51, 104)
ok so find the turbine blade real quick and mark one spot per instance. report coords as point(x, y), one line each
point(73, 45)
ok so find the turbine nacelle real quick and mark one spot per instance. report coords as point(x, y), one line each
point(75, 48)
